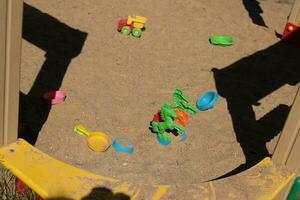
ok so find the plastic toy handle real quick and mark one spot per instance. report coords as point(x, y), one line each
point(81, 130)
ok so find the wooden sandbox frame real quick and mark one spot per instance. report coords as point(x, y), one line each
point(286, 151)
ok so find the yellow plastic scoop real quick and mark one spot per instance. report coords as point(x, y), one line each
point(97, 141)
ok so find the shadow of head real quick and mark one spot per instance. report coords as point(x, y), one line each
point(99, 193)
point(102, 193)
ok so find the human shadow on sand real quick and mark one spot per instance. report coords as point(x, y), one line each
point(61, 44)
point(254, 12)
point(247, 81)
point(99, 193)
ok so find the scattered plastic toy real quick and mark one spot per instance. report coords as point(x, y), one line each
point(207, 101)
point(182, 102)
point(167, 115)
point(54, 97)
point(133, 24)
point(172, 118)
point(121, 148)
point(182, 117)
point(221, 40)
point(183, 137)
point(163, 140)
point(97, 141)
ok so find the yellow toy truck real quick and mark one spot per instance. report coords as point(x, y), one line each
point(133, 24)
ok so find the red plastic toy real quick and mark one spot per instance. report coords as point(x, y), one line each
point(182, 117)
point(291, 31)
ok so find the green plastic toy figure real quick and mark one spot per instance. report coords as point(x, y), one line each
point(182, 102)
point(168, 115)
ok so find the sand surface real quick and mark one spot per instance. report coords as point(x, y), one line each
point(116, 83)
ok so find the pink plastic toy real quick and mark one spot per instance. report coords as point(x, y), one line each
point(54, 97)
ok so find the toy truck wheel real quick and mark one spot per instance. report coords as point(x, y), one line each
point(137, 32)
point(125, 30)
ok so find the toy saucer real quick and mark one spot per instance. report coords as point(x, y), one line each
point(163, 139)
point(122, 148)
point(207, 101)
point(221, 40)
